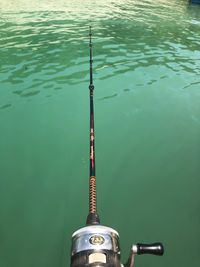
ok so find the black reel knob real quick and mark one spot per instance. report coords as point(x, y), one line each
point(155, 249)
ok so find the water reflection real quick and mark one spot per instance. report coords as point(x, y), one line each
point(48, 49)
point(5, 106)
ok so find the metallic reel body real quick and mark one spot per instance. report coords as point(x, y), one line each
point(95, 245)
point(98, 246)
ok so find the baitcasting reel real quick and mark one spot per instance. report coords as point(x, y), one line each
point(98, 246)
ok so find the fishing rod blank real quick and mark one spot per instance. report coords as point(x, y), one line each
point(96, 245)
point(93, 217)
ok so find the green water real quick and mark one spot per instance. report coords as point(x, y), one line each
point(147, 108)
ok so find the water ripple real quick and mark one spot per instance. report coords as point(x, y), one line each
point(48, 50)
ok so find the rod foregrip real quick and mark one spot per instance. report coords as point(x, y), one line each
point(155, 249)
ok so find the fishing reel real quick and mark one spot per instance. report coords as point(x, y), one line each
point(98, 246)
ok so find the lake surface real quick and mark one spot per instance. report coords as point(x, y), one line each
point(147, 119)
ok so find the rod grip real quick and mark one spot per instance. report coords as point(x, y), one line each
point(154, 248)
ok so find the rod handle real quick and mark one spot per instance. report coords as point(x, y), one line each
point(154, 248)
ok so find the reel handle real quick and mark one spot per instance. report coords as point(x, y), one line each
point(154, 248)
point(139, 249)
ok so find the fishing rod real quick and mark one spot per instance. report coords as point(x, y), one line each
point(96, 245)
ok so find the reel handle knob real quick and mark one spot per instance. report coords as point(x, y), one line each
point(155, 249)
